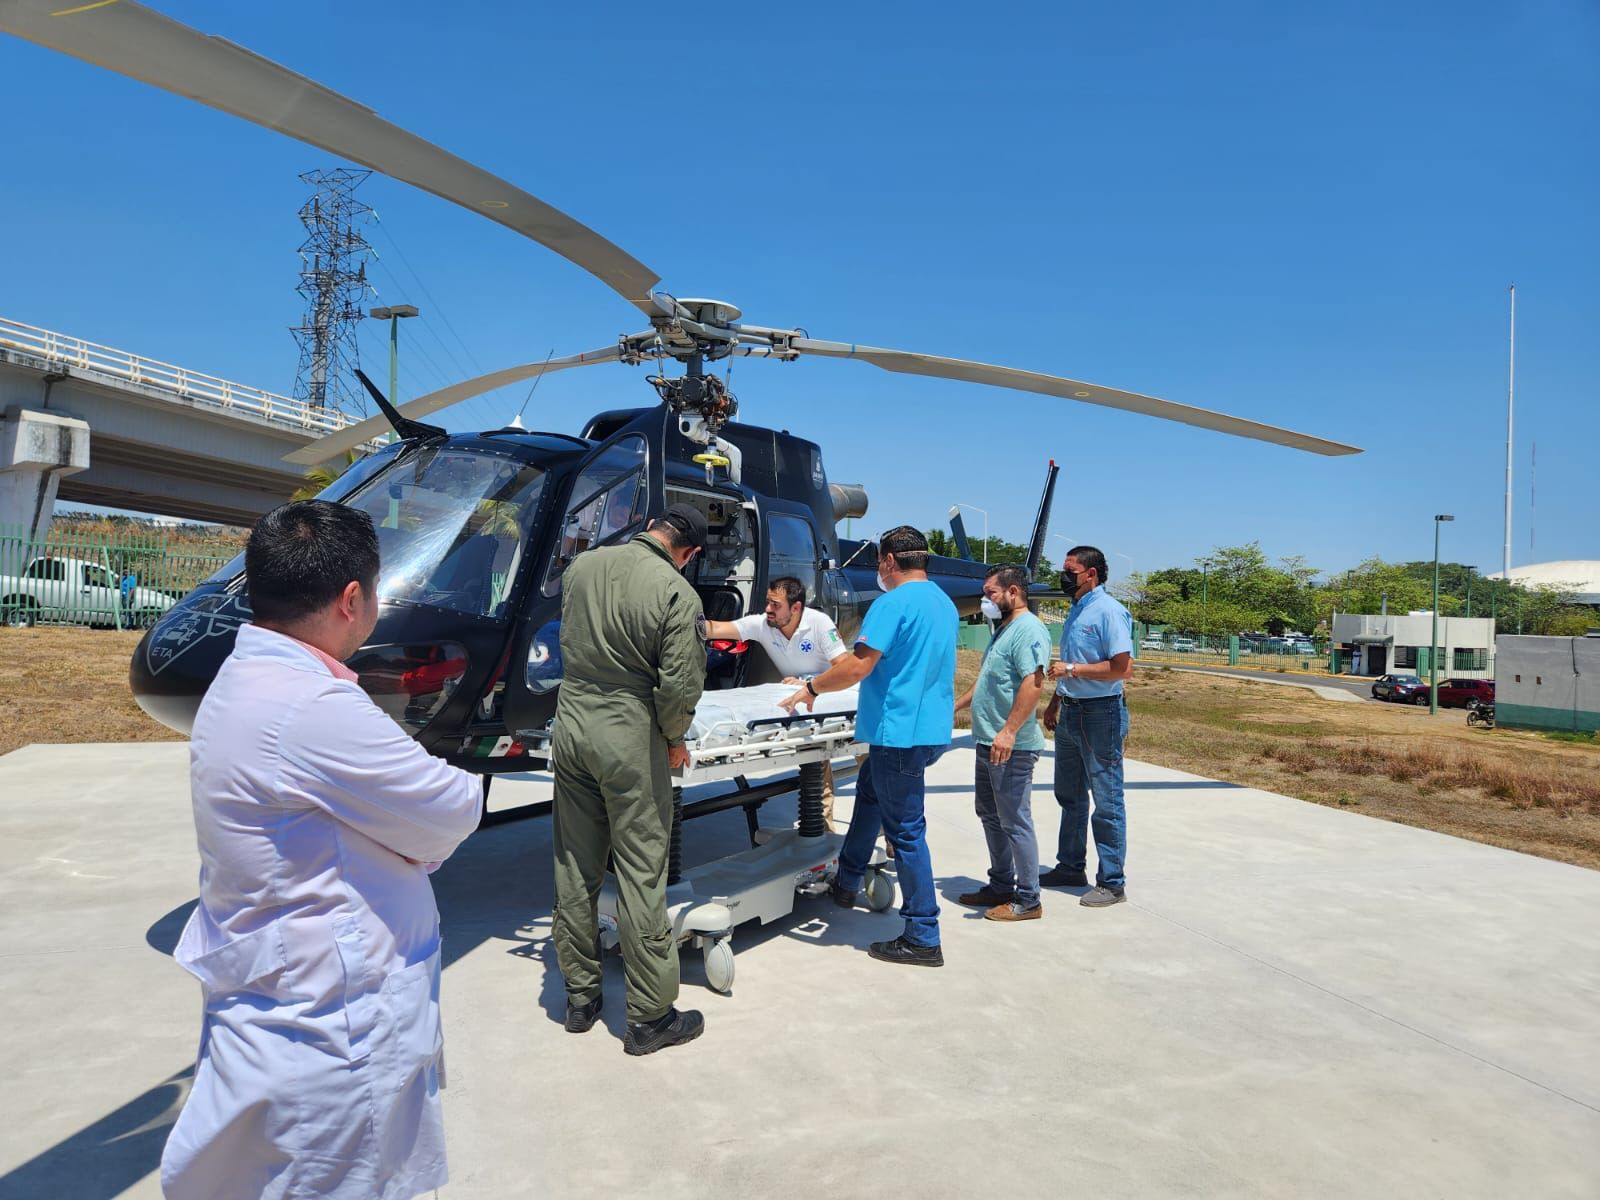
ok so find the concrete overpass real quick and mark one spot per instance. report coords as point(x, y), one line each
point(88, 423)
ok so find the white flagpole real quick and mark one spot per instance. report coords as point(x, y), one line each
point(1511, 398)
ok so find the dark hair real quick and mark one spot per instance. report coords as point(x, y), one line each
point(906, 545)
point(1090, 557)
point(677, 538)
point(1008, 576)
point(793, 590)
point(302, 555)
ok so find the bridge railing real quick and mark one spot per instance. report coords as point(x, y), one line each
point(209, 390)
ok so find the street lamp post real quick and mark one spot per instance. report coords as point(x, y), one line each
point(975, 508)
point(1205, 597)
point(1470, 572)
point(1433, 648)
point(393, 314)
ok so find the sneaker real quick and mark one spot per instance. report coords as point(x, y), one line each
point(843, 897)
point(671, 1029)
point(581, 1017)
point(1102, 897)
point(909, 953)
point(1014, 912)
point(1061, 877)
point(984, 897)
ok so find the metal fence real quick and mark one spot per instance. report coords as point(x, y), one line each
point(101, 580)
point(122, 366)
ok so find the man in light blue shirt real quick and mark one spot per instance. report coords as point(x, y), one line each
point(1088, 715)
point(905, 662)
point(1005, 729)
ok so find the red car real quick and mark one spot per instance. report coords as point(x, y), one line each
point(1460, 693)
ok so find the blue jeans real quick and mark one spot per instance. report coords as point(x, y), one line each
point(889, 797)
point(1089, 736)
point(1003, 796)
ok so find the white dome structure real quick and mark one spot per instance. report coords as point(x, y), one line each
point(1578, 575)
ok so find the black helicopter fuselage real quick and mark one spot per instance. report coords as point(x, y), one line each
point(475, 530)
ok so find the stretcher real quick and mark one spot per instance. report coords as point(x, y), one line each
point(738, 734)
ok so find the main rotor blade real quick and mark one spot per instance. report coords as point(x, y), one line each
point(908, 363)
point(352, 436)
point(141, 43)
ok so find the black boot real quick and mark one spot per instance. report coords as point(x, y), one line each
point(581, 1017)
point(670, 1029)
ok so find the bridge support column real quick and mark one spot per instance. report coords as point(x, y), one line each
point(36, 450)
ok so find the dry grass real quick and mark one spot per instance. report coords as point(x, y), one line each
point(1504, 787)
point(70, 685)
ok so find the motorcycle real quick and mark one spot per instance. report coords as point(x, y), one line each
point(1481, 712)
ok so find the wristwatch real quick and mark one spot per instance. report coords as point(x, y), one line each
point(810, 687)
point(1072, 670)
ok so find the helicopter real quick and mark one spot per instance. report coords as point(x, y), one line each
point(476, 529)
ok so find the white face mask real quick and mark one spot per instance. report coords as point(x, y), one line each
point(991, 609)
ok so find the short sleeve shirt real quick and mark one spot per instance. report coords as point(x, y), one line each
point(1017, 651)
point(909, 698)
point(1098, 628)
point(812, 649)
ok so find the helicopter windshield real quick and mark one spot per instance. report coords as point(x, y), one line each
point(451, 527)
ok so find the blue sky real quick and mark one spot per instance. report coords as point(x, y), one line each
point(1300, 215)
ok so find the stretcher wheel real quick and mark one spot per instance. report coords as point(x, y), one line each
point(879, 891)
point(718, 957)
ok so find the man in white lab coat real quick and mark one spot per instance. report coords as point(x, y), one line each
point(316, 938)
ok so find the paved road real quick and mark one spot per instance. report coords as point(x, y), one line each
point(1358, 687)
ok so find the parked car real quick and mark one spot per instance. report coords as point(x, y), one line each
point(1403, 689)
point(75, 592)
point(1152, 643)
point(1186, 644)
point(1460, 693)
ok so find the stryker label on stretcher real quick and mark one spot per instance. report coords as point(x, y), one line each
point(740, 726)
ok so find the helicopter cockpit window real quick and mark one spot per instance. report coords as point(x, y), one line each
point(353, 476)
point(609, 500)
point(451, 527)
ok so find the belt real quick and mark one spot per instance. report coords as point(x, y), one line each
point(1092, 699)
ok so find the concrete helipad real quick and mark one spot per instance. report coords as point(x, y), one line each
point(1296, 1002)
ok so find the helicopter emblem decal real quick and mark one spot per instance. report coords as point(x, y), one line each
point(211, 616)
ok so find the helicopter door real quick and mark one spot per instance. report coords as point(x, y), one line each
point(614, 490)
point(792, 549)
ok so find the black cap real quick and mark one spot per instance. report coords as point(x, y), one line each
point(688, 520)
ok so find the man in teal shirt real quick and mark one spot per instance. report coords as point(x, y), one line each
point(1005, 705)
point(905, 662)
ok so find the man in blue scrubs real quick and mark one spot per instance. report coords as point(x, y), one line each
point(905, 662)
point(1089, 718)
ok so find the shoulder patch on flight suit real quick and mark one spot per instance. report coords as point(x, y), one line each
point(702, 631)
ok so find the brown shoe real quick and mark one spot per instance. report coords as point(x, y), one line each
point(1014, 912)
point(984, 897)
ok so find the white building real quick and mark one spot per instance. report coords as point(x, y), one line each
point(1576, 575)
point(1399, 645)
point(1548, 683)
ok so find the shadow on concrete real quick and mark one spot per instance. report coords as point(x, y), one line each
point(106, 1158)
point(499, 886)
point(163, 935)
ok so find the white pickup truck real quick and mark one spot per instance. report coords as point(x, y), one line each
point(75, 592)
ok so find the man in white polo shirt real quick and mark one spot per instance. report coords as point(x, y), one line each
point(800, 641)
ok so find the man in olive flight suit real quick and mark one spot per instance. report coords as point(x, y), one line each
point(635, 663)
